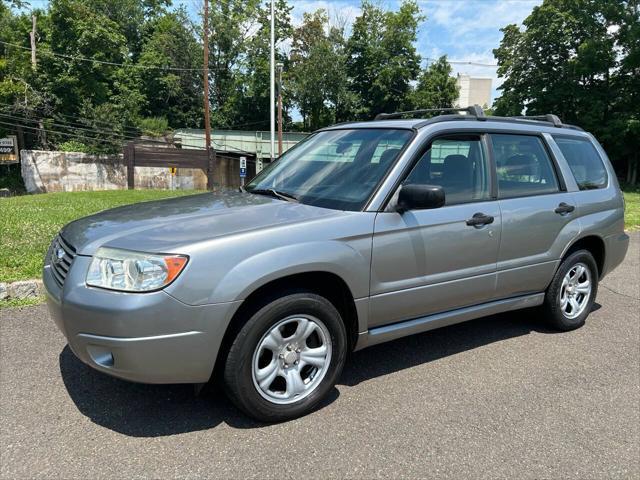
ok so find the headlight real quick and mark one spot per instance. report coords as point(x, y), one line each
point(133, 271)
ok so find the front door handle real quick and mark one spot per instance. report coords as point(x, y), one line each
point(564, 208)
point(480, 219)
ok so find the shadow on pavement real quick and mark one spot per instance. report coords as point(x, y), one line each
point(429, 346)
point(141, 410)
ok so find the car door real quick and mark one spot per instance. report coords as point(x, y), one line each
point(430, 261)
point(537, 213)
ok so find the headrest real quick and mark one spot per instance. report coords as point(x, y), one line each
point(456, 163)
point(389, 155)
point(520, 165)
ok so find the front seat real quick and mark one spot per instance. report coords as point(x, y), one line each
point(388, 156)
point(516, 167)
point(457, 178)
point(520, 165)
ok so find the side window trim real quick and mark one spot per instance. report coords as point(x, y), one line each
point(554, 164)
point(493, 168)
point(484, 143)
point(555, 169)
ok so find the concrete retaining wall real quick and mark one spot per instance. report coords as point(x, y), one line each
point(47, 171)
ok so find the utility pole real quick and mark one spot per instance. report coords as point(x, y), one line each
point(33, 42)
point(42, 135)
point(211, 156)
point(272, 65)
point(280, 65)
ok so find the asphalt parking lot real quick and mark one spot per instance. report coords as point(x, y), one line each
point(495, 397)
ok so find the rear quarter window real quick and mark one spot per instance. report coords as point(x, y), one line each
point(584, 161)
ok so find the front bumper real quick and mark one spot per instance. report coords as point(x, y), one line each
point(142, 337)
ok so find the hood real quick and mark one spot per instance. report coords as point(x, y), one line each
point(165, 225)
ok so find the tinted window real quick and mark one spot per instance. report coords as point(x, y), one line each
point(584, 161)
point(459, 165)
point(524, 168)
point(336, 169)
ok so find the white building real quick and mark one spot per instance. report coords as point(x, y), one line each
point(473, 91)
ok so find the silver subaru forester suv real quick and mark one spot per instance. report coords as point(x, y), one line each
point(363, 233)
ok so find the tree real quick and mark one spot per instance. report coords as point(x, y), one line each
point(252, 109)
point(169, 41)
point(625, 124)
point(103, 67)
point(88, 73)
point(578, 60)
point(383, 59)
point(318, 71)
point(21, 95)
point(436, 87)
point(232, 24)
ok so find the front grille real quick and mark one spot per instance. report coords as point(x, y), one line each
point(61, 257)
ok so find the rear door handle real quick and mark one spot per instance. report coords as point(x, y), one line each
point(480, 219)
point(564, 208)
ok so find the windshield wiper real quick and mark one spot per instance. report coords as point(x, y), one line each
point(275, 193)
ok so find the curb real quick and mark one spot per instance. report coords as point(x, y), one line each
point(21, 290)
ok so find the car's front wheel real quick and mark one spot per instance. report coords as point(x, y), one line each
point(572, 292)
point(286, 357)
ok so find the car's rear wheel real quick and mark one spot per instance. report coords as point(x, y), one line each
point(286, 358)
point(572, 292)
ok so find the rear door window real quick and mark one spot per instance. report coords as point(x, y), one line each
point(584, 161)
point(523, 166)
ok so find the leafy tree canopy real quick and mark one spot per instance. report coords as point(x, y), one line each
point(110, 70)
point(580, 60)
point(436, 88)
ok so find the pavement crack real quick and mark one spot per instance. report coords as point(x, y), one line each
point(619, 293)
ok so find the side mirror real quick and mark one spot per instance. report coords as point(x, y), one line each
point(420, 197)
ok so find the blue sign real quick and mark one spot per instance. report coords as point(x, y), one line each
point(243, 172)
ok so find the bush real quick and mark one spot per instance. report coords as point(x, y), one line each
point(154, 126)
point(11, 178)
point(74, 146)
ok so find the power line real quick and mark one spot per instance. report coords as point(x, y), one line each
point(81, 123)
point(178, 69)
point(71, 127)
point(103, 62)
point(111, 133)
point(475, 64)
point(37, 129)
point(118, 136)
point(83, 120)
point(463, 62)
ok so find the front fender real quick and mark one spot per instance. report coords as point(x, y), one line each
point(331, 256)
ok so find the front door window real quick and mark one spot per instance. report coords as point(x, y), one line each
point(457, 164)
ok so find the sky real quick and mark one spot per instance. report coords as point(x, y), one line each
point(464, 30)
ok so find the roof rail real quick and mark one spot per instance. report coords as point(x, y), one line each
point(549, 117)
point(474, 110)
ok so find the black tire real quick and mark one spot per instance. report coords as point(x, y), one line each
point(238, 376)
point(551, 308)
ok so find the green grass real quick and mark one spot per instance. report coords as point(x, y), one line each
point(28, 223)
point(21, 302)
point(632, 210)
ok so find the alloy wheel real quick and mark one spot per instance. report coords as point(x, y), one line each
point(291, 359)
point(575, 291)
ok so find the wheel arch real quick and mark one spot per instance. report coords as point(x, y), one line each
point(324, 283)
point(594, 245)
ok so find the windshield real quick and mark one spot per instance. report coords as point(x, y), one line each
point(336, 169)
